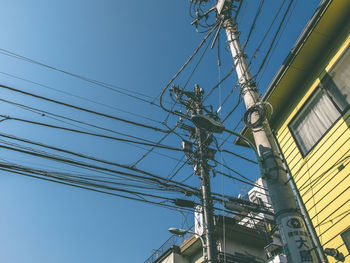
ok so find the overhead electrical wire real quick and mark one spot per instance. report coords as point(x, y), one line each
point(149, 176)
point(91, 158)
point(154, 146)
point(47, 114)
point(181, 69)
point(274, 38)
point(252, 27)
point(95, 182)
point(84, 109)
point(87, 187)
point(80, 97)
point(175, 76)
point(275, 45)
point(95, 82)
point(238, 155)
point(89, 133)
point(267, 32)
point(173, 207)
point(66, 151)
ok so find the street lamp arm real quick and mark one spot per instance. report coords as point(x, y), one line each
point(182, 232)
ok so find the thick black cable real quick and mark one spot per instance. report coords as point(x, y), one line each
point(152, 177)
point(95, 190)
point(238, 9)
point(64, 151)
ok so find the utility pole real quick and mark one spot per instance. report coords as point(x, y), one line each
point(295, 238)
point(202, 168)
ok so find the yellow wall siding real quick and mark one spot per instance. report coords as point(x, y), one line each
point(324, 188)
point(323, 175)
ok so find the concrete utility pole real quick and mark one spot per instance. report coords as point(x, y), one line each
point(202, 168)
point(205, 185)
point(296, 240)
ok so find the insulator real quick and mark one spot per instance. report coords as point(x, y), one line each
point(187, 146)
point(196, 169)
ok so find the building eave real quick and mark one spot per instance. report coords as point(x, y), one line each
point(328, 20)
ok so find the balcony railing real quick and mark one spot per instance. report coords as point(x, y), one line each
point(172, 241)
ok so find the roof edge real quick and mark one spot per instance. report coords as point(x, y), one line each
point(322, 7)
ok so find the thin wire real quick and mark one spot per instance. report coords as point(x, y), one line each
point(80, 97)
point(83, 109)
point(91, 158)
point(266, 33)
point(275, 45)
point(153, 147)
point(237, 155)
point(274, 38)
point(237, 179)
point(151, 177)
point(252, 27)
point(95, 82)
point(181, 69)
point(47, 114)
point(91, 134)
point(95, 190)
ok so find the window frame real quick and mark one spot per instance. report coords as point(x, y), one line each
point(320, 88)
point(347, 230)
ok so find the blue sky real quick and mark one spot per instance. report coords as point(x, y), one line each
point(134, 45)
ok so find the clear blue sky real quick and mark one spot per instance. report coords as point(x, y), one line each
point(137, 46)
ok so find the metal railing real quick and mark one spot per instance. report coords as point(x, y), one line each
point(172, 241)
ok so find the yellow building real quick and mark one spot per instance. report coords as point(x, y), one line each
point(310, 96)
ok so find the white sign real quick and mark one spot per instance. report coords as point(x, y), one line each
point(297, 239)
point(198, 220)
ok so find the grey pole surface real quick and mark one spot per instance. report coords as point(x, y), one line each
point(295, 238)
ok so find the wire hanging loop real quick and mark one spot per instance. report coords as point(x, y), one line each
point(255, 116)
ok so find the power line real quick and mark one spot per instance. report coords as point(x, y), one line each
point(95, 190)
point(238, 155)
point(252, 27)
point(267, 32)
point(84, 109)
point(95, 82)
point(64, 150)
point(150, 177)
point(182, 68)
point(274, 38)
point(44, 113)
point(275, 45)
point(91, 134)
point(80, 97)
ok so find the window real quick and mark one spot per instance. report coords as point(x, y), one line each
point(324, 107)
point(346, 238)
